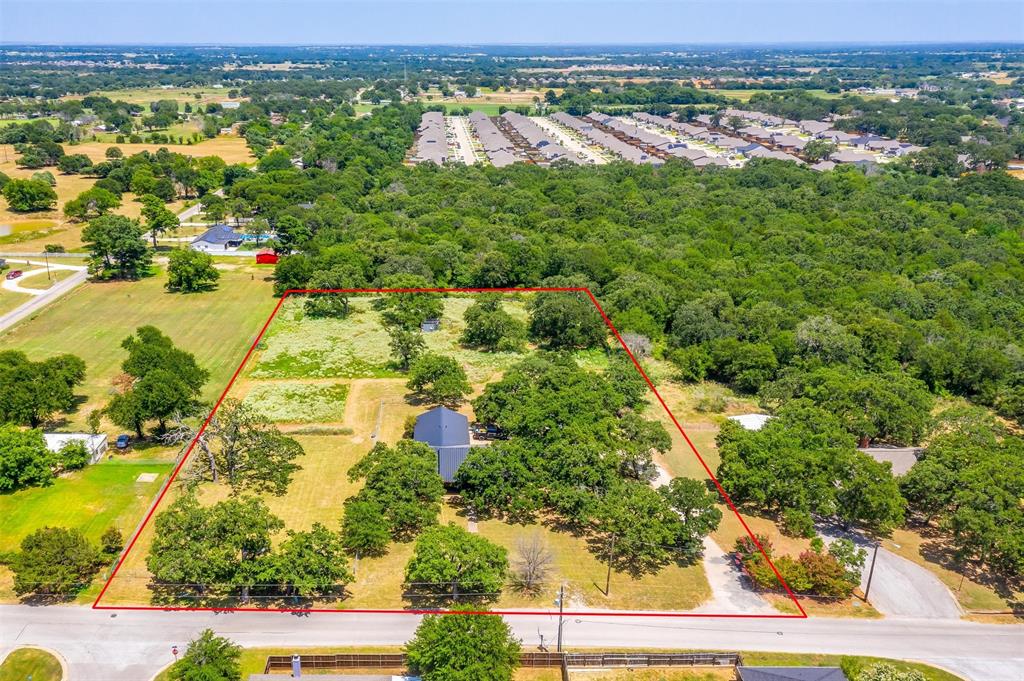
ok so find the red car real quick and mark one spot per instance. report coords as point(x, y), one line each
point(14, 274)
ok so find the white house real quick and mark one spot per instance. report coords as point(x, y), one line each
point(95, 444)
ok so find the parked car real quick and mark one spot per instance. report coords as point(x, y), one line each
point(488, 432)
point(122, 441)
point(14, 274)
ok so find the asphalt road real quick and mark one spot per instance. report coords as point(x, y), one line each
point(100, 645)
point(40, 301)
point(899, 587)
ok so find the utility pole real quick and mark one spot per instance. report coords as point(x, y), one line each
point(608, 577)
point(46, 257)
point(871, 572)
point(561, 608)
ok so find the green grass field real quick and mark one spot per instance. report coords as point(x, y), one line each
point(4, 122)
point(488, 108)
point(92, 321)
point(97, 497)
point(30, 663)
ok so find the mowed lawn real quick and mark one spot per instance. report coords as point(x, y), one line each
point(99, 496)
point(106, 494)
point(92, 321)
point(30, 663)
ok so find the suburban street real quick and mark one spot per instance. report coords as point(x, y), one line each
point(101, 645)
point(464, 141)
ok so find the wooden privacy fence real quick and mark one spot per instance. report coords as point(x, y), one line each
point(530, 659)
point(340, 661)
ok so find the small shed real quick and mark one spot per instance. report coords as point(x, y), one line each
point(447, 433)
point(95, 444)
point(266, 257)
point(430, 325)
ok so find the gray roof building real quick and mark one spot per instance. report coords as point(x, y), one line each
point(851, 156)
point(217, 238)
point(814, 127)
point(447, 433)
point(790, 674)
point(431, 142)
point(599, 137)
point(496, 146)
point(788, 141)
point(538, 139)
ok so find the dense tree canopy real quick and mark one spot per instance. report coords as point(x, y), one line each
point(449, 562)
point(35, 391)
point(456, 647)
point(803, 462)
point(54, 561)
point(403, 480)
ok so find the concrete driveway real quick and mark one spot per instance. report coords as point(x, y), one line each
point(899, 587)
point(731, 593)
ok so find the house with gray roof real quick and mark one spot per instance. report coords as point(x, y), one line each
point(705, 161)
point(431, 142)
point(217, 239)
point(790, 142)
point(684, 152)
point(814, 127)
point(852, 156)
point(447, 433)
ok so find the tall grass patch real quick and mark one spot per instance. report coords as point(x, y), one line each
point(297, 402)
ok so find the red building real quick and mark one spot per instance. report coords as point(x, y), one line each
point(266, 257)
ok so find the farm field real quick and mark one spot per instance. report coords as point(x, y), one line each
point(303, 356)
point(4, 122)
point(146, 95)
point(30, 232)
point(92, 321)
point(745, 95)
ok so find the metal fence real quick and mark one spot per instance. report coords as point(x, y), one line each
point(651, 659)
point(530, 659)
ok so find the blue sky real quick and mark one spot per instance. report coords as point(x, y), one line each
point(508, 21)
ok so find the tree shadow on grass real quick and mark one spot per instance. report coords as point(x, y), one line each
point(937, 548)
point(264, 599)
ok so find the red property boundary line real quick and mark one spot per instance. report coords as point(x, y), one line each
point(167, 485)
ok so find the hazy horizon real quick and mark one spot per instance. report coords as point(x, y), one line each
point(505, 23)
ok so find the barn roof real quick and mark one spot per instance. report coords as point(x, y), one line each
point(442, 427)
